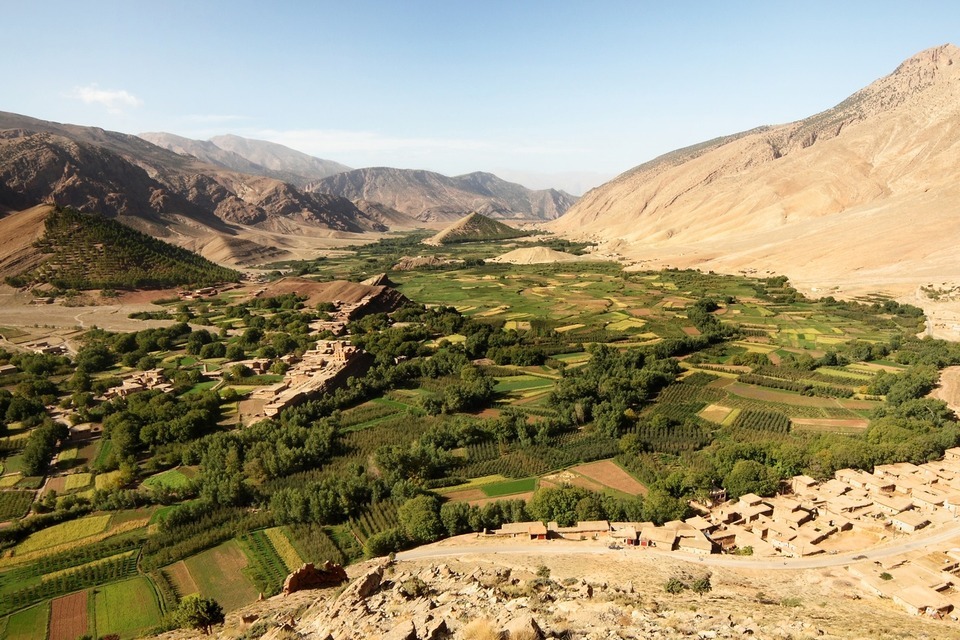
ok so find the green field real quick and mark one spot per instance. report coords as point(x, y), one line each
point(499, 489)
point(284, 548)
point(219, 574)
point(78, 481)
point(522, 383)
point(63, 533)
point(105, 448)
point(106, 480)
point(203, 386)
point(15, 504)
point(10, 480)
point(29, 624)
point(172, 479)
point(127, 608)
point(13, 464)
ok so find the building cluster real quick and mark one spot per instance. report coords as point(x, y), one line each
point(896, 500)
point(204, 292)
point(142, 381)
point(46, 347)
point(925, 582)
point(672, 536)
point(318, 371)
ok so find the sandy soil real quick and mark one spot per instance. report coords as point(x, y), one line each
point(68, 617)
point(827, 423)
point(180, 577)
point(830, 600)
point(536, 255)
point(949, 389)
point(609, 474)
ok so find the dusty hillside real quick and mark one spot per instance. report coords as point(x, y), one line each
point(18, 233)
point(582, 597)
point(387, 216)
point(535, 255)
point(432, 197)
point(863, 195)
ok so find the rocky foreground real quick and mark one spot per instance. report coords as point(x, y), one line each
point(614, 599)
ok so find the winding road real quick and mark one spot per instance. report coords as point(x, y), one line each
point(937, 535)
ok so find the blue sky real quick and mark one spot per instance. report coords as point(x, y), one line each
point(524, 89)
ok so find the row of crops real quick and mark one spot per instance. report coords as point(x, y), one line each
point(83, 577)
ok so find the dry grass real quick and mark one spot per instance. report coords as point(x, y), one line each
point(481, 629)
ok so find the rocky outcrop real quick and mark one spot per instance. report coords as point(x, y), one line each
point(310, 577)
point(397, 602)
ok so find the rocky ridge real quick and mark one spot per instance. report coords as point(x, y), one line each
point(539, 598)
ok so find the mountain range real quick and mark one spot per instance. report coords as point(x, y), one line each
point(235, 201)
point(258, 157)
point(433, 197)
point(861, 195)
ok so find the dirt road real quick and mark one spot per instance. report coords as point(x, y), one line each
point(935, 536)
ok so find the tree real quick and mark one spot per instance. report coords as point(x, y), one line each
point(749, 476)
point(198, 613)
point(674, 586)
point(420, 519)
point(702, 585)
point(455, 517)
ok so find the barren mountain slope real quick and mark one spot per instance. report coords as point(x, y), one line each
point(18, 233)
point(208, 152)
point(299, 167)
point(432, 197)
point(171, 196)
point(864, 193)
point(257, 157)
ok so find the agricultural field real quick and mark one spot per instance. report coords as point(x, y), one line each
point(28, 624)
point(612, 476)
point(128, 608)
point(68, 617)
point(220, 573)
point(284, 549)
point(508, 487)
point(15, 504)
point(77, 481)
point(494, 384)
point(266, 568)
point(179, 577)
point(63, 534)
point(173, 478)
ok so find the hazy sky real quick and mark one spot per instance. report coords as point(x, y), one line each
point(518, 88)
